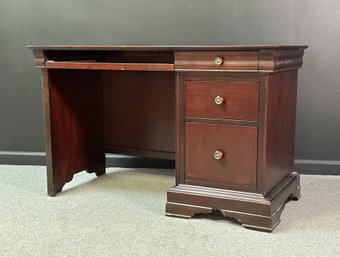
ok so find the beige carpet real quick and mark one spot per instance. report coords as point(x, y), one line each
point(122, 214)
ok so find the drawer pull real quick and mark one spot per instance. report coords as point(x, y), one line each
point(218, 60)
point(219, 100)
point(218, 155)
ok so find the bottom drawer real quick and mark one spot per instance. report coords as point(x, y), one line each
point(221, 156)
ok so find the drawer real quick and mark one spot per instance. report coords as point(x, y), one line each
point(217, 60)
point(222, 99)
point(221, 156)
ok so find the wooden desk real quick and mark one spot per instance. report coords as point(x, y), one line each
point(230, 125)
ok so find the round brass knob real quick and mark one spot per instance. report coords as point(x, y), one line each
point(219, 100)
point(218, 60)
point(218, 155)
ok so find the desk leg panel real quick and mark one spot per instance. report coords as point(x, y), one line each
point(73, 125)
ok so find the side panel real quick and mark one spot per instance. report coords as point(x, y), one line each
point(280, 128)
point(73, 125)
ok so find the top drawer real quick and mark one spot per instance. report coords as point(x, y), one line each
point(217, 60)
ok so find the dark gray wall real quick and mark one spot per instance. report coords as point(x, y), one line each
point(316, 23)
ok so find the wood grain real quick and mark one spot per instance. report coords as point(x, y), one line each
point(279, 59)
point(280, 128)
point(232, 60)
point(161, 47)
point(139, 112)
point(109, 66)
point(72, 103)
point(237, 168)
point(240, 99)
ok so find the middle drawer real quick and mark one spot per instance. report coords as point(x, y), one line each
point(222, 99)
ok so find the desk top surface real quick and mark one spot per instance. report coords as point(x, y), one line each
point(162, 47)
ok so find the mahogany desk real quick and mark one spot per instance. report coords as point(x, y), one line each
point(226, 114)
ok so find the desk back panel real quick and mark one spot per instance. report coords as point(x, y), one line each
point(139, 113)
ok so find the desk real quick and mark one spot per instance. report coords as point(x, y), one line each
point(226, 114)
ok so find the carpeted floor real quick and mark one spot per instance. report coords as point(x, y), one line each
point(122, 214)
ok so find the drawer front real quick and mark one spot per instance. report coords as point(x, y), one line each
point(221, 156)
point(222, 99)
point(217, 60)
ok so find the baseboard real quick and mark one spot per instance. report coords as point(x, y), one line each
point(22, 158)
point(118, 160)
point(112, 160)
point(317, 167)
